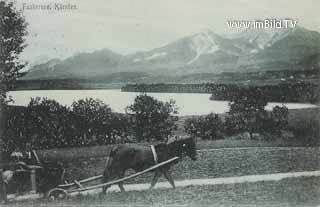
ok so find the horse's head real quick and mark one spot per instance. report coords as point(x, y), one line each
point(186, 146)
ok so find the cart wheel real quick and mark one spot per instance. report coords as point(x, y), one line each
point(57, 194)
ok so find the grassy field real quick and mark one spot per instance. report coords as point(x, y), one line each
point(229, 160)
point(238, 162)
point(224, 162)
point(225, 158)
point(287, 192)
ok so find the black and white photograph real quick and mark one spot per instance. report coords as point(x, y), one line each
point(160, 103)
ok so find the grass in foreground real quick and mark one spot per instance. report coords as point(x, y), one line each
point(287, 192)
point(239, 162)
point(224, 163)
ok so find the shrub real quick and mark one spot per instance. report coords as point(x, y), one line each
point(278, 120)
point(206, 127)
point(96, 123)
point(152, 119)
point(92, 119)
point(45, 124)
point(247, 112)
point(308, 131)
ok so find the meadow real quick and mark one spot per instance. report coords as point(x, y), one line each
point(211, 163)
point(216, 159)
point(227, 157)
point(288, 192)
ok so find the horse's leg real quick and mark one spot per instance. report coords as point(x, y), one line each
point(168, 176)
point(155, 178)
point(106, 176)
point(121, 187)
point(5, 178)
point(121, 183)
point(104, 189)
point(4, 192)
point(109, 170)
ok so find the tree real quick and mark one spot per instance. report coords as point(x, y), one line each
point(12, 42)
point(95, 122)
point(247, 111)
point(152, 119)
point(279, 118)
point(43, 124)
point(207, 127)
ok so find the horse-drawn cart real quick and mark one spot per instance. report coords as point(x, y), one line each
point(20, 178)
point(64, 190)
point(141, 159)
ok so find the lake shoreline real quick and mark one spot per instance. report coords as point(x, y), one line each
point(188, 103)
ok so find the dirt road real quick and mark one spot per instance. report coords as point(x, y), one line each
point(185, 183)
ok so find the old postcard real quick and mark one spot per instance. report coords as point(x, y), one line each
point(159, 103)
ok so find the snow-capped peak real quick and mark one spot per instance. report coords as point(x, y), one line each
point(203, 43)
point(156, 55)
point(264, 38)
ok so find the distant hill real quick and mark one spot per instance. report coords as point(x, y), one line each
point(83, 65)
point(253, 50)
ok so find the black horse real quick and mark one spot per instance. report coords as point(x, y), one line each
point(137, 157)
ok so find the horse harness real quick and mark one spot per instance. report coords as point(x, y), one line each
point(36, 156)
point(154, 153)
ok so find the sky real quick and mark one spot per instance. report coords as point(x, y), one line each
point(128, 26)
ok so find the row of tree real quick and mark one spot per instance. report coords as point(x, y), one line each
point(45, 123)
point(293, 91)
point(247, 114)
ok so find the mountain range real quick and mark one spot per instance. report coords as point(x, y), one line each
point(206, 52)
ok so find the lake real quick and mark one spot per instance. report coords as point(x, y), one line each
point(188, 103)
